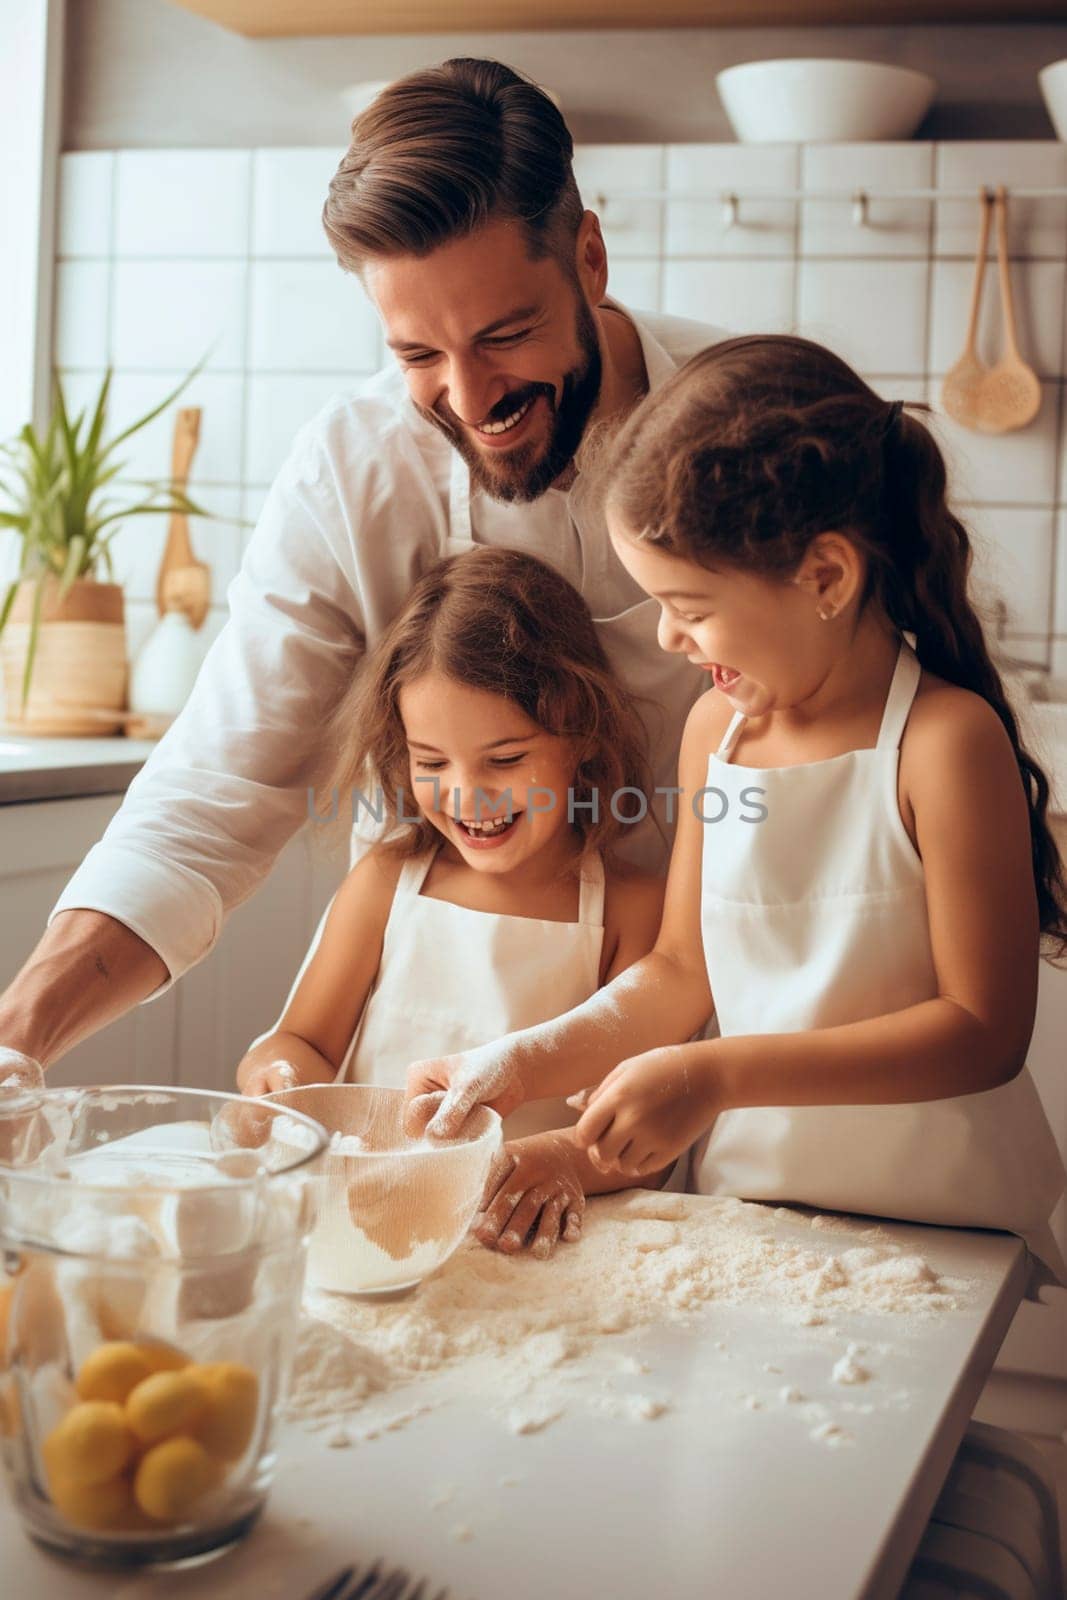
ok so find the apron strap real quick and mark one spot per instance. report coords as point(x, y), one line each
point(729, 738)
point(459, 530)
point(413, 875)
point(905, 681)
point(591, 892)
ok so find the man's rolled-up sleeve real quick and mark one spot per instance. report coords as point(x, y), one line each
point(227, 786)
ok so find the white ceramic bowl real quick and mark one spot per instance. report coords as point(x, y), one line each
point(823, 102)
point(389, 1210)
point(1053, 81)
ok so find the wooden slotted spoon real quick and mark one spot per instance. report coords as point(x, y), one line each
point(961, 391)
point(184, 584)
point(1010, 394)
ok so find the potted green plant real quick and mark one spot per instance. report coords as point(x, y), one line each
point(62, 622)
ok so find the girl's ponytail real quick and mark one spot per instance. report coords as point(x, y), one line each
point(920, 576)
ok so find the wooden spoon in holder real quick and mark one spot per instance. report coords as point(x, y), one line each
point(184, 584)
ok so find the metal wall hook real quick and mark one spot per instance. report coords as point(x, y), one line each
point(860, 202)
point(730, 208)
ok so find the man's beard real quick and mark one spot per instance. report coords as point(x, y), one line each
point(525, 472)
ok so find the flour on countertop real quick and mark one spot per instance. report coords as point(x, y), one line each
point(536, 1335)
point(848, 1369)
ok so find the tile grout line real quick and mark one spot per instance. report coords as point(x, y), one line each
point(112, 259)
point(934, 175)
point(666, 257)
point(247, 351)
point(1057, 556)
point(799, 176)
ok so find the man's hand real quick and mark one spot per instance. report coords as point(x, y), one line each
point(443, 1091)
point(533, 1192)
point(650, 1108)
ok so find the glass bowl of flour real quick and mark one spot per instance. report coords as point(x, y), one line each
point(389, 1209)
point(153, 1250)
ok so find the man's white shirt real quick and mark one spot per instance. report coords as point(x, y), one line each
point(359, 511)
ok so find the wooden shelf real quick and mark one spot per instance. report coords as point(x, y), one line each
point(262, 19)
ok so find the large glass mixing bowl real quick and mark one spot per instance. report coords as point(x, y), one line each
point(153, 1251)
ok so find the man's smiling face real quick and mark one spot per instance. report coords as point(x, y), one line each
point(500, 351)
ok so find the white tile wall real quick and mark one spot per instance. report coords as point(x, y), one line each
point(82, 313)
point(895, 227)
point(741, 295)
point(1037, 294)
point(630, 227)
point(1036, 226)
point(83, 224)
point(309, 316)
point(1059, 597)
point(872, 312)
point(164, 255)
point(1017, 469)
point(1013, 562)
point(173, 313)
point(182, 204)
point(277, 407)
point(763, 228)
point(288, 192)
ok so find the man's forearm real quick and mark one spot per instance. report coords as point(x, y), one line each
point(87, 971)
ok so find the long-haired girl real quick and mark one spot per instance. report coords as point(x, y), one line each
point(507, 760)
point(863, 869)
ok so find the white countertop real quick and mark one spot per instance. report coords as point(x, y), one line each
point(53, 769)
point(710, 1499)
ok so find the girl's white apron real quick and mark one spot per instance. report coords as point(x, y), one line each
point(451, 979)
point(814, 917)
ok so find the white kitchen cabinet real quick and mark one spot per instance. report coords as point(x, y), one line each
point(1037, 1341)
point(196, 1033)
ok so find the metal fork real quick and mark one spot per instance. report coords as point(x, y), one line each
point(375, 1583)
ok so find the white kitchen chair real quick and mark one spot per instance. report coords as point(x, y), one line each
point(994, 1532)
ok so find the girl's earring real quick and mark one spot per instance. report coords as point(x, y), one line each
point(826, 616)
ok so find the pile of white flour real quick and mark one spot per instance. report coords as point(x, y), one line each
point(522, 1329)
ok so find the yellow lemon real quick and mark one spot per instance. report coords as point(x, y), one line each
point(112, 1371)
point(90, 1445)
point(227, 1425)
point(10, 1410)
point(162, 1357)
point(94, 1505)
point(165, 1404)
point(7, 1294)
point(172, 1477)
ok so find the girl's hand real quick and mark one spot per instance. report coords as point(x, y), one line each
point(443, 1091)
point(650, 1109)
point(18, 1071)
point(271, 1076)
point(534, 1184)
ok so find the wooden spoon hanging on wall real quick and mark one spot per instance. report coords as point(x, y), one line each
point(961, 391)
point(1010, 395)
point(184, 584)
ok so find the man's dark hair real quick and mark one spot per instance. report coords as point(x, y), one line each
point(442, 152)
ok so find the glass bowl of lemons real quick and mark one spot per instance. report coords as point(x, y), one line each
point(154, 1244)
